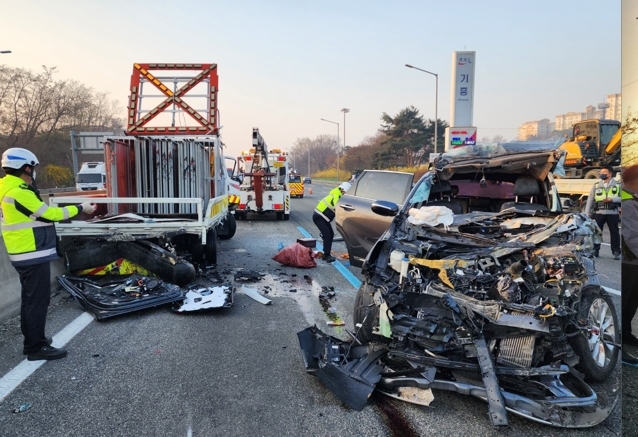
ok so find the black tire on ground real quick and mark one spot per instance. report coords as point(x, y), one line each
point(592, 174)
point(286, 216)
point(231, 227)
point(362, 305)
point(280, 215)
point(598, 358)
point(301, 196)
point(211, 246)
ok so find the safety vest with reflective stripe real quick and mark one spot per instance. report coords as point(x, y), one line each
point(27, 223)
point(326, 206)
point(601, 193)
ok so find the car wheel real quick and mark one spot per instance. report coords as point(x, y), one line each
point(365, 312)
point(597, 349)
point(232, 228)
point(286, 216)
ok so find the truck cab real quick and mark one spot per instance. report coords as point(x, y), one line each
point(92, 176)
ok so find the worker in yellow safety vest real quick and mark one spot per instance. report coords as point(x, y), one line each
point(30, 239)
point(602, 205)
point(323, 216)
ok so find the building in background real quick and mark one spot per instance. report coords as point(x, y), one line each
point(535, 129)
point(541, 129)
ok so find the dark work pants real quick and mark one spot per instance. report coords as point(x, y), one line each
point(629, 295)
point(36, 295)
point(612, 223)
point(326, 230)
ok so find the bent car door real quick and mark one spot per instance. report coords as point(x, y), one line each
point(355, 220)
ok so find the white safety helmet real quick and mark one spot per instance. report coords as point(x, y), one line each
point(345, 186)
point(16, 157)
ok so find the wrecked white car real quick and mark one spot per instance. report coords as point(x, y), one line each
point(483, 286)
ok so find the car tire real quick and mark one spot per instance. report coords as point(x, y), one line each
point(364, 302)
point(593, 306)
point(286, 216)
point(232, 228)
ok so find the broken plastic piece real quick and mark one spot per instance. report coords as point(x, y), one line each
point(205, 298)
point(22, 408)
point(253, 293)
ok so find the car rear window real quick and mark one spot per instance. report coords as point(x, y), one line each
point(295, 178)
point(383, 186)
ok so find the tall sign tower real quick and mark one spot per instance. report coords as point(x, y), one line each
point(461, 131)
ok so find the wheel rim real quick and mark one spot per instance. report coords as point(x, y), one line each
point(602, 333)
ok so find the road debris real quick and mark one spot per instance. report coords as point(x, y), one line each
point(248, 276)
point(254, 294)
point(22, 408)
point(201, 298)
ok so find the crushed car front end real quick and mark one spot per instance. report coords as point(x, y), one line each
point(500, 301)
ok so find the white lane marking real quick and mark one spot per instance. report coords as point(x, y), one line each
point(612, 290)
point(22, 371)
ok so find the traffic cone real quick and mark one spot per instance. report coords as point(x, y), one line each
point(310, 190)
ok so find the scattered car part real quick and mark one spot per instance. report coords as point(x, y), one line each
point(253, 293)
point(108, 297)
point(201, 298)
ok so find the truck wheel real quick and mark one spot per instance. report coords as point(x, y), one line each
point(231, 228)
point(597, 348)
point(286, 216)
point(364, 303)
point(211, 246)
point(279, 215)
point(592, 174)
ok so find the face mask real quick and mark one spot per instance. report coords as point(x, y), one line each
point(604, 176)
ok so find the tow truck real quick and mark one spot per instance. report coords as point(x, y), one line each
point(296, 183)
point(265, 186)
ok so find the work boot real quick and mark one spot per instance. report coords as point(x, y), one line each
point(616, 255)
point(52, 353)
point(49, 341)
point(596, 254)
point(629, 359)
point(328, 258)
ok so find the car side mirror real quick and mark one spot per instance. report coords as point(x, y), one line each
point(385, 208)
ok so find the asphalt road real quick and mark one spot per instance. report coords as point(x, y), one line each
point(232, 372)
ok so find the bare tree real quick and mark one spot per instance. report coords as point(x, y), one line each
point(37, 112)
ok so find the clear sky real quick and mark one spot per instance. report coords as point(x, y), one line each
point(283, 64)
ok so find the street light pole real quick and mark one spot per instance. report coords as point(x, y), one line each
point(436, 105)
point(345, 111)
point(334, 122)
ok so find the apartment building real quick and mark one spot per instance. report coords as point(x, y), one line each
point(535, 129)
point(609, 110)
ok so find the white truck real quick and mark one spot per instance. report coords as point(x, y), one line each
point(265, 185)
point(92, 176)
point(166, 185)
